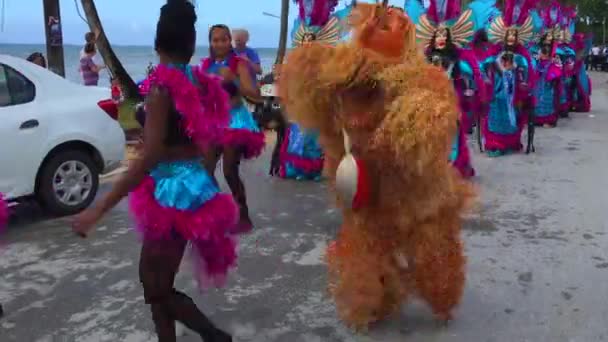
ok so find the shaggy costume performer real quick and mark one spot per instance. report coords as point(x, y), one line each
point(548, 67)
point(301, 156)
point(445, 32)
point(390, 117)
point(510, 71)
point(581, 94)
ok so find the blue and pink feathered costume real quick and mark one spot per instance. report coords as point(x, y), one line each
point(581, 94)
point(243, 131)
point(3, 213)
point(511, 101)
point(180, 197)
point(461, 65)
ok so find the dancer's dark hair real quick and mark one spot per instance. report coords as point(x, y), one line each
point(89, 48)
point(481, 37)
point(32, 58)
point(219, 27)
point(450, 49)
point(175, 31)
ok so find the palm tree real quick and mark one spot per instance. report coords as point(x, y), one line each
point(283, 34)
point(128, 86)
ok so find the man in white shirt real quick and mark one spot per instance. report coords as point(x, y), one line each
point(595, 57)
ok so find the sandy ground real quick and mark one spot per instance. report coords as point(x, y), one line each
point(537, 262)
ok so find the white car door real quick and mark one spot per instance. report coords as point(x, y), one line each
point(22, 136)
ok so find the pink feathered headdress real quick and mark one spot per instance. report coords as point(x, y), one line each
point(443, 10)
point(317, 11)
point(516, 12)
point(516, 16)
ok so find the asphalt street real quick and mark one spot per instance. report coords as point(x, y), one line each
point(536, 247)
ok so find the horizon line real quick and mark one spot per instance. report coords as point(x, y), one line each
point(117, 45)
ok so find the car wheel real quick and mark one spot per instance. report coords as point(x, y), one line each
point(68, 183)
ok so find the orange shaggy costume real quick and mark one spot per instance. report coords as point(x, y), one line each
point(400, 113)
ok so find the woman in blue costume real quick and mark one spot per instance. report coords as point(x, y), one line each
point(509, 70)
point(549, 70)
point(299, 153)
point(174, 200)
point(243, 139)
point(567, 57)
point(581, 96)
point(445, 31)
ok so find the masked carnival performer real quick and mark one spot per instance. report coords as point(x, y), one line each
point(567, 57)
point(445, 31)
point(174, 200)
point(510, 72)
point(581, 94)
point(243, 139)
point(386, 118)
point(300, 155)
point(548, 68)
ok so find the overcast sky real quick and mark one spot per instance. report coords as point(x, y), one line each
point(132, 22)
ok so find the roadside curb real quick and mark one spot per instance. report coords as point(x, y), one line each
point(107, 177)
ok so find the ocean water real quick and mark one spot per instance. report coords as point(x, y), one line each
point(135, 59)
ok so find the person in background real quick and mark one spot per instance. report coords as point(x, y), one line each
point(249, 55)
point(595, 57)
point(37, 58)
point(243, 140)
point(88, 67)
point(91, 38)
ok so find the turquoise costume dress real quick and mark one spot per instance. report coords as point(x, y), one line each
point(547, 91)
point(300, 155)
point(243, 131)
point(505, 121)
point(179, 198)
point(567, 56)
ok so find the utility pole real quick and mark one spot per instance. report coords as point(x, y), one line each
point(54, 37)
point(129, 88)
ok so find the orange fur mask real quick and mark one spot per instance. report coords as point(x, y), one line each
point(382, 29)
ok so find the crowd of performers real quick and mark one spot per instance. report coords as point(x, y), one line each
point(380, 112)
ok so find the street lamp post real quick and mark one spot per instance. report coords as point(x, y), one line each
point(271, 15)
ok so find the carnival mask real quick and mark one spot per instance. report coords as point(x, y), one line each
point(559, 36)
point(308, 38)
point(382, 29)
point(511, 37)
point(441, 38)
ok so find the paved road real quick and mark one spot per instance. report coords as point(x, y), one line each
point(537, 270)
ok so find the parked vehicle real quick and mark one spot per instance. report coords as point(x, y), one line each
point(57, 137)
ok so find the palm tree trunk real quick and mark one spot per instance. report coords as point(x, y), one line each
point(283, 34)
point(129, 88)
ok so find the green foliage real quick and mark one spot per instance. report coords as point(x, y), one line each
point(126, 115)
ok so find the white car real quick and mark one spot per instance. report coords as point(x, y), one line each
point(57, 137)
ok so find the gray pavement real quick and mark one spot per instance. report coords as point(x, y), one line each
point(536, 246)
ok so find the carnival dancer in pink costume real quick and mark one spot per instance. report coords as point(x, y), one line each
point(510, 70)
point(174, 200)
point(549, 69)
point(445, 31)
point(581, 95)
point(3, 213)
point(243, 139)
